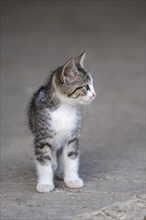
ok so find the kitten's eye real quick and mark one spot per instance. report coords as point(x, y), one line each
point(87, 87)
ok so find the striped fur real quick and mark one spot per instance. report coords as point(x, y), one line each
point(54, 118)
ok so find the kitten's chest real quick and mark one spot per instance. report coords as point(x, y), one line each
point(64, 120)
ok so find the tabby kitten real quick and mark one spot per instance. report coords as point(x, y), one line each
point(55, 118)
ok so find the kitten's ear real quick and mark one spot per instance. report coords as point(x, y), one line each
point(69, 72)
point(80, 59)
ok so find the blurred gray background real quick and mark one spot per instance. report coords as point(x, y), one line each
point(37, 37)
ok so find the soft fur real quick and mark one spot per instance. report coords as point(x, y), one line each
point(55, 119)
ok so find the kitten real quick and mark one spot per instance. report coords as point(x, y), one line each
point(55, 119)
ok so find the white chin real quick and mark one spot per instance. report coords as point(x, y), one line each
point(85, 102)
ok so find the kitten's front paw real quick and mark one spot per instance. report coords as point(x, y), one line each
point(74, 183)
point(44, 187)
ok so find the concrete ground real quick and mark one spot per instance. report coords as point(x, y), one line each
point(38, 36)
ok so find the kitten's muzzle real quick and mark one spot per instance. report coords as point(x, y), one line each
point(94, 94)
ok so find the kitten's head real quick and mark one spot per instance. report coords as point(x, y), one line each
point(73, 83)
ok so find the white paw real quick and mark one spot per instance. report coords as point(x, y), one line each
point(44, 187)
point(74, 183)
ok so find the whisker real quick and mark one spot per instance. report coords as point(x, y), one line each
point(93, 75)
point(92, 67)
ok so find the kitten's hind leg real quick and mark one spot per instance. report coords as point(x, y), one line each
point(44, 167)
point(60, 169)
point(54, 161)
point(71, 162)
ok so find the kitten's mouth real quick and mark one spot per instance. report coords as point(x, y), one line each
point(86, 102)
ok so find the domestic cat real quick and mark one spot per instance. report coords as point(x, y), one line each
point(54, 118)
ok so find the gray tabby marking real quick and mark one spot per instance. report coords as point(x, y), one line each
point(54, 118)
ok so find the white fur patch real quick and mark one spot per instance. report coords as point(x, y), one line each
point(71, 176)
point(45, 178)
point(63, 122)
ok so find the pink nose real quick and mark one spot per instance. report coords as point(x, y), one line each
point(94, 94)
